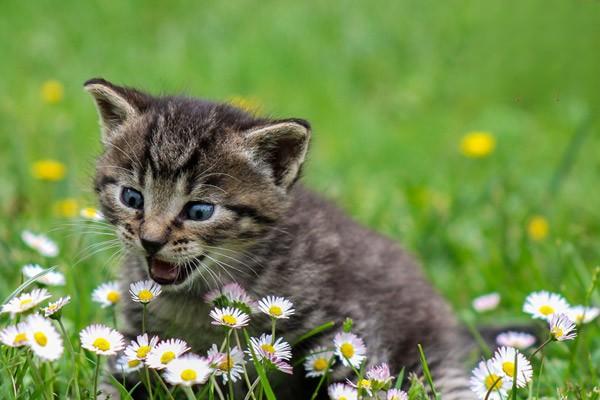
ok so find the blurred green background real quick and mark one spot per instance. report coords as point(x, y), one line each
point(390, 88)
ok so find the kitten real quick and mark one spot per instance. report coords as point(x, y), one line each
point(201, 192)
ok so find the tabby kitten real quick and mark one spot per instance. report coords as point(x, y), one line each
point(202, 193)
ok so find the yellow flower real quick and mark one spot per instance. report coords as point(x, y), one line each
point(477, 144)
point(66, 207)
point(248, 104)
point(48, 170)
point(52, 91)
point(538, 228)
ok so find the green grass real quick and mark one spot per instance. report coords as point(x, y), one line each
point(389, 88)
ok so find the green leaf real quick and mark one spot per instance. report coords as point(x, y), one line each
point(399, 379)
point(426, 372)
point(264, 381)
point(26, 284)
point(313, 332)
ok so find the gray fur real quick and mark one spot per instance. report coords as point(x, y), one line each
point(270, 234)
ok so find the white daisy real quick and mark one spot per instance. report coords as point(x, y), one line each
point(42, 244)
point(505, 360)
point(276, 353)
point(350, 349)
point(396, 394)
point(316, 363)
point(43, 338)
point(488, 375)
point(91, 213)
point(25, 301)
point(519, 340)
point(227, 367)
point(380, 374)
point(144, 291)
point(102, 340)
point(487, 302)
point(51, 278)
point(230, 317)
point(108, 294)
point(55, 307)
point(341, 391)
point(562, 328)
point(276, 307)
point(583, 315)
point(141, 347)
point(165, 352)
point(544, 304)
point(14, 335)
point(127, 365)
point(188, 370)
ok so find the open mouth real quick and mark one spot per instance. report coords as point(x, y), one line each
point(166, 273)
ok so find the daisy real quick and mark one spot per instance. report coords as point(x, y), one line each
point(40, 243)
point(165, 352)
point(14, 335)
point(127, 365)
point(139, 348)
point(561, 328)
point(488, 375)
point(232, 294)
point(519, 340)
point(583, 315)
point(230, 317)
point(350, 349)
point(505, 360)
point(144, 291)
point(188, 370)
point(227, 367)
point(276, 307)
point(54, 308)
point(265, 347)
point(544, 304)
point(487, 302)
point(341, 391)
point(91, 213)
point(108, 294)
point(396, 394)
point(101, 340)
point(380, 374)
point(317, 362)
point(363, 385)
point(25, 301)
point(50, 278)
point(43, 338)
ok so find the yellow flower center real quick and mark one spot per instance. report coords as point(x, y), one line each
point(364, 384)
point(557, 332)
point(226, 364)
point(88, 212)
point(101, 344)
point(48, 170)
point(143, 351)
point(188, 375)
point(579, 318)
point(20, 338)
point(342, 398)
point(477, 144)
point(509, 368)
point(546, 310)
point(538, 228)
point(52, 91)
point(26, 301)
point(275, 311)
point(52, 308)
point(229, 319)
point(167, 357)
point(347, 350)
point(40, 338)
point(133, 363)
point(493, 381)
point(268, 348)
point(66, 207)
point(145, 295)
point(320, 364)
point(113, 296)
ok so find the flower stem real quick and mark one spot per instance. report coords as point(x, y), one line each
point(229, 365)
point(73, 360)
point(96, 373)
point(246, 377)
point(189, 393)
point(217, 388)
point(143, 318)
point(316, 392)
point(113, 313)
point(541, 347)
point(273, 330)
point(162, 383)
point(147, 375)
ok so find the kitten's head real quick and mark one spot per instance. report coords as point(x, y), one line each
point(184, 180)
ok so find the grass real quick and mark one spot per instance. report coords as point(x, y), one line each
point(390, 90)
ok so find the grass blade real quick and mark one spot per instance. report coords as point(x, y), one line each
point(426, 372)
point(264, 381)
point(313, 332)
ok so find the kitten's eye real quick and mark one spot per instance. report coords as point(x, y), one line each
point(132, 198)
point(199, 211)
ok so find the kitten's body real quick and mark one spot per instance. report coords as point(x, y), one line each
point(286, 240)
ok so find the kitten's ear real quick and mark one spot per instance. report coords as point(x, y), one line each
point(115, 104)
point(281, 147)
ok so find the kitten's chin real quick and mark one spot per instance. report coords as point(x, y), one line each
point(166, 273)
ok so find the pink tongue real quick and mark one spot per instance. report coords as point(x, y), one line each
point(163, 270)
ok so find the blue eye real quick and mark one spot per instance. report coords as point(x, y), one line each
point(132, 198)
point(199, 211)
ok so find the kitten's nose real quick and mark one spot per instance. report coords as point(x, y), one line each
point(152, 246)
